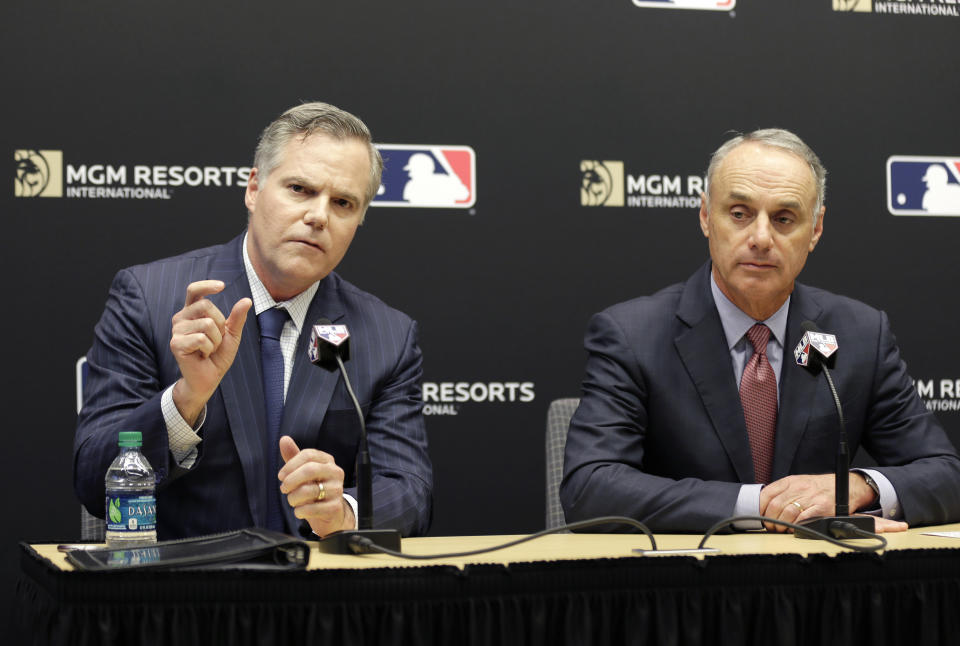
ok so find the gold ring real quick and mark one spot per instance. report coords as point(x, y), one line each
point(321, 492)
point(798, 505)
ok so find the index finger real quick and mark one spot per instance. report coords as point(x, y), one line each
point(201, 288)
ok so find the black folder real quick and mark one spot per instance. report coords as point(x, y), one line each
point(253, 548)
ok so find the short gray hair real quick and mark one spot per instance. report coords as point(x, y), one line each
point(776, 138)
point(304, 120)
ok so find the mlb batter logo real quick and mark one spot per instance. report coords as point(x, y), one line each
point(326, 341)
point(802, 354)
point(708, 5)
point(923, 185)
point(333, 334)
point(825, 344)
point(427, 176)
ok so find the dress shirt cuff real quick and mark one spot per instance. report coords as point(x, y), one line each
point(748, 504)
point(889, 503)
point(182, 439)
point(353, 505)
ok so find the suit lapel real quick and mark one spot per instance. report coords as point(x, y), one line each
point(797, 387)
point(311, 387)
point(242, 386)
point(703, 350)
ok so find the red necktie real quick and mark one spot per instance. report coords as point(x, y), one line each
point(758, 394)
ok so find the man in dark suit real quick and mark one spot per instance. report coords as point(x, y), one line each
point(166, 361)
point(691, 411)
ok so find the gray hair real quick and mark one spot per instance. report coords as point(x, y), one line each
point(776, 138)
point(304, 120)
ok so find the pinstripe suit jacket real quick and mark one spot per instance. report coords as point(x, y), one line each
point(131, 365)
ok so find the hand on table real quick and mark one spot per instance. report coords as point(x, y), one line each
point(800, 497)
point(313, 484)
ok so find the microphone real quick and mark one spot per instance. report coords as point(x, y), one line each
point(329, 347)
point(818, 350)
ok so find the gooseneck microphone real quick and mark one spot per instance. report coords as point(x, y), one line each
point(329, 348)
point(818, 350)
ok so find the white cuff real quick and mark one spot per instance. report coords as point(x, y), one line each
point(353, 505)
point(181, 437)
point(748, 504)
point(888, 501)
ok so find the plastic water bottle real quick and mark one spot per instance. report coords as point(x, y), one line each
point(131, 504)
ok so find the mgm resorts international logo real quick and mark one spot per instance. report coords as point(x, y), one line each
point(42, 173)
point(604, 183)
point(446, 397)
point(939, 395)
point(946, 8)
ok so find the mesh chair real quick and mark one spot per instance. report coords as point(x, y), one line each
point(91, 527)
point(558, 421)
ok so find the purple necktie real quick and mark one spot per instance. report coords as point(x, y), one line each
point(758, 394)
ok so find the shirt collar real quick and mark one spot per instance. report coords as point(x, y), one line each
point(736, 322)
point(262, 300)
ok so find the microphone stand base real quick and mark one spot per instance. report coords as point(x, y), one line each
point(343, 542)
point(829, 525)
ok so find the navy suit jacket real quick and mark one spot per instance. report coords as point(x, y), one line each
point(131, 365)
point(660, 436)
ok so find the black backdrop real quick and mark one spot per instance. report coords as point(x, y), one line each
point(502, 290)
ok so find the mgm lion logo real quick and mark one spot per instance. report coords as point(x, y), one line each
point(601, 183)
point(39, 173)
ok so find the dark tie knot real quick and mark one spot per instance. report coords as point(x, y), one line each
point(271, 322)
point(759, 334)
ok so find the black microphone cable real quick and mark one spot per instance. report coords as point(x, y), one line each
point(847, 527)
point(360, 543)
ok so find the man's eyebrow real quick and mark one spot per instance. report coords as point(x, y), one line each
point(296, 179)
point(787, 203)
point(306, 183)
point(790, 204)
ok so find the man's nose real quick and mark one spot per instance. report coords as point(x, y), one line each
point(761, 234)
point(316, 213)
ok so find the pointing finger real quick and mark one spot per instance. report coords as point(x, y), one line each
point(201, 288)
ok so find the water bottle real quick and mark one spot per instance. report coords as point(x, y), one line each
point(131, 504)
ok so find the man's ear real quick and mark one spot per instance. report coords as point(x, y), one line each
point(704, 215)
point(818, 228)
point(253, 188)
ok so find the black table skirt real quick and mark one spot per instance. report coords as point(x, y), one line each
point(903, 597)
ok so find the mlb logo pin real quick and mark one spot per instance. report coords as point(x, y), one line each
point(427, 176)
point(923, 185)
point(326, 343)
point(802, 354)
point(825, 344)
point(822, 343)
point(333, 334)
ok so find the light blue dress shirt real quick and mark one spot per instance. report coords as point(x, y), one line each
point(735, 325)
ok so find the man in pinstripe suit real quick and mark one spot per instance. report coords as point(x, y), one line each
point(176, 356)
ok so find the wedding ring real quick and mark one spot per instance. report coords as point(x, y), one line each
point(321, 492)
point(798, 506)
